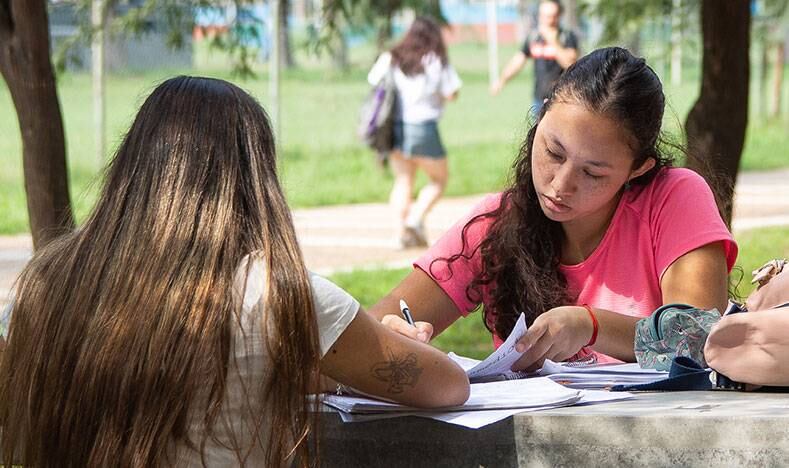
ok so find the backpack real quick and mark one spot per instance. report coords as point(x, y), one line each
point(376, 120)
point(744, 350)
point(671, 331)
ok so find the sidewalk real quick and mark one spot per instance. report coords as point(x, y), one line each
point(340, 238)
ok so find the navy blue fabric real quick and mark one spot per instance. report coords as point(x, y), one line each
point(685, 375)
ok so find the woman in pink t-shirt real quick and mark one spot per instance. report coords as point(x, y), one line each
point(595, 232)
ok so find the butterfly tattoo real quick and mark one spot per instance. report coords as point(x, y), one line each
point(399, 372)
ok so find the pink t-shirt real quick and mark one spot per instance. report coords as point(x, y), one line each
point(652, 227)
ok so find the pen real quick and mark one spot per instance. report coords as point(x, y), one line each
point(406, 312)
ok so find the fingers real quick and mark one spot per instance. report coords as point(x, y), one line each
point(533, 345)
point(531, 337)
point(534, 361)
point(540, 344)
point(535, 354)
point(420, 331)
point(425, 329)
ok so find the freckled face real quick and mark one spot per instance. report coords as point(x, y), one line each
point(580, 161)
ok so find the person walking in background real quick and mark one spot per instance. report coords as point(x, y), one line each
point(552, 48)
point(425, 81)
point(179, 326)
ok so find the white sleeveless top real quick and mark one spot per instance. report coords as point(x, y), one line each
point(334, 308)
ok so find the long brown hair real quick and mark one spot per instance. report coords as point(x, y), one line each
point(521, 250)
point(422, 38)
point(121, 328)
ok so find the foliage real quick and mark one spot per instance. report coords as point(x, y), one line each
point(366, 15)
point(621, 18)
point(176, 18)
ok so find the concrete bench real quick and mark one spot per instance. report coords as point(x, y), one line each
point(714, 428)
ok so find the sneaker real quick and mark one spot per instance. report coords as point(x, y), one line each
point(416, 235)
point(405, 242)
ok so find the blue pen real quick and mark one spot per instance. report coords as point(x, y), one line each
point(406, 312)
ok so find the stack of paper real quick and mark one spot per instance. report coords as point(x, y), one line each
point(497, 392)
point(537, 392)
point(488, 403)
point(600, 375)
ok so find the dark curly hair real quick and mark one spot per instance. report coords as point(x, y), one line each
point(521, 250)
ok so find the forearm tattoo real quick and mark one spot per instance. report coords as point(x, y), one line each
point(398, 372)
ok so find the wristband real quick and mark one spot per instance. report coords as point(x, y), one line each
point(595, 325)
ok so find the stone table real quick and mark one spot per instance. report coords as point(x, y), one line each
point(713, 428)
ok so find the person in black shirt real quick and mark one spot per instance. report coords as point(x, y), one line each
point(552, 48)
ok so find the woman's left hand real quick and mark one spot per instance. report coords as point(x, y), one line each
point(557, 335)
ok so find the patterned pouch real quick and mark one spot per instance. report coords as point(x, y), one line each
point(673, 330)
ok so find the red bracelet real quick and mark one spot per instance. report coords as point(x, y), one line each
point(595, 325)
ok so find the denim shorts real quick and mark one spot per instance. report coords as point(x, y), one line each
point(419, 139)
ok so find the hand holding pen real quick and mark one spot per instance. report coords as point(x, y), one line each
point(406, 313)
point(405, 324)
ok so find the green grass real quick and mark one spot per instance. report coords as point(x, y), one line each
point(469, 337)
point(321, 161)
point(757, 247)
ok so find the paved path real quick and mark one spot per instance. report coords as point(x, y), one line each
point(342, 238)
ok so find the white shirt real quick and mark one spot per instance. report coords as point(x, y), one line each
point(421, 97)
point(250, 366)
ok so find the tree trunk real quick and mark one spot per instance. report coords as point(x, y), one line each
point(274, 75)
point(338, 48)
point(632, 40)
point(764, 66)
point(98, 17)
point(26, 67)
point(384, 32)
point(286, 50)
point(778, 79)
point(524, 24)
point(717, 122)
point(676, 43)
point(571, 16)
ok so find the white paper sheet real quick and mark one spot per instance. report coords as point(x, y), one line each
point(550, 367)
point(497, 366)
point(600, 375)
point(501, 360)
point(524, 393)
point(469, 419)
point(478, 419)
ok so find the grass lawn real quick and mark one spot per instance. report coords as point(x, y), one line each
point(469, 337)
point(322, 162)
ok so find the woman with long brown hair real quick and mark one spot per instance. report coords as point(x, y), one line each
point(179, 325)
point(424, 80)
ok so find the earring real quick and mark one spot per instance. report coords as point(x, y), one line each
point(626, 186)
